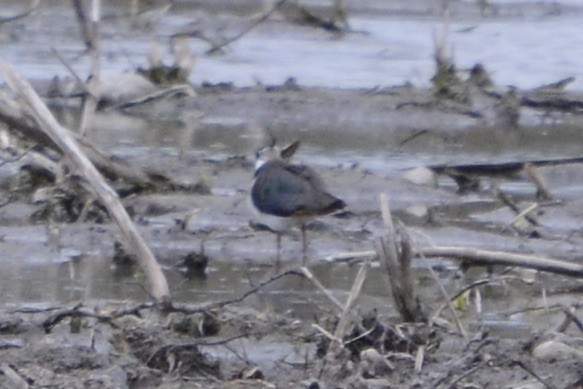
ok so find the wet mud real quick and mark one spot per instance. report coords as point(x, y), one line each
point(74, 312)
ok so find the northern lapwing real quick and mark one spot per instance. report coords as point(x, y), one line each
point(287, 195)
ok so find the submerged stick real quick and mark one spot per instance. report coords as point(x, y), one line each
point(60, 135)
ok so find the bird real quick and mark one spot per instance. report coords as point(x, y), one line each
point(286, 195)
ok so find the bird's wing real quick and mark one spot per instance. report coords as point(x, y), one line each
point(281, 192)
point(308, 174)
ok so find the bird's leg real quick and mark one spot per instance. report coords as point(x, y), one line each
point(278, 259)
point(304, 246)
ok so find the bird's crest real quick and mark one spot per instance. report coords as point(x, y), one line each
point(273, 151)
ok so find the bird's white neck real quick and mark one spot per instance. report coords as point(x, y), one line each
point(259, 163)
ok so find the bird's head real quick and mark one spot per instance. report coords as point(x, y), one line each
point(273, 151)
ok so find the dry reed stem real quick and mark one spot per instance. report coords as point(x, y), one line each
point(351, 301)
point(83, 25)
point(447, 303)
point(347, 312)
point(91, 99)
point(398, 266)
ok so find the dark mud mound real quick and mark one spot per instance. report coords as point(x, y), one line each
point(115, 345)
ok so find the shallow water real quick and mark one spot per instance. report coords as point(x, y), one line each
point(526, 44)
point(522, 49)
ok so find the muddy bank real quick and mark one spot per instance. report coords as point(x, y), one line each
point(269, 338)
point(464, 164)
point(123, 345)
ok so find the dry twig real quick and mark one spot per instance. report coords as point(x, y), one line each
point(347, 312)
point(218, 47)
point(448, 303)
point(187, 309)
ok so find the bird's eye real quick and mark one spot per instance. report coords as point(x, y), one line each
point(257, 154)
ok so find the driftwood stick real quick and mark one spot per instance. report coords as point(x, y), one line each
point(351, 256)
point(485, 257)
point(135, 242)
point(504, 169)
